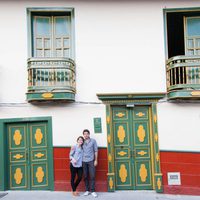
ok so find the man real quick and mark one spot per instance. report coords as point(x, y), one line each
point(90, 154)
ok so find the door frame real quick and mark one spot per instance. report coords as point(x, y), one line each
point(130, 100)
point(3, 150)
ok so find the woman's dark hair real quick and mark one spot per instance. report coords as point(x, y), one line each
point(81, 138)
point(86, 130)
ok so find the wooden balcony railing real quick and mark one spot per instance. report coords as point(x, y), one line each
point(51, 78)
point(183, 77)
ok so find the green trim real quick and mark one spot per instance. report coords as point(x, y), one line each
point(3, 123)
point(182, 94)
point(148, 97)
point(37, 96)
point(189, 9)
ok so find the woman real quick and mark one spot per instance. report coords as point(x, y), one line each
point(76, 156)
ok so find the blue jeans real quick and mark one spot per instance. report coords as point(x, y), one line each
point(89, 175)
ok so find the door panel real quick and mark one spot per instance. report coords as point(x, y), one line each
point(132, 147)
point(18, 163)
point(28, 158)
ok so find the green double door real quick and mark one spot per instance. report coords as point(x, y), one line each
point(28, 162)
point(132, 148)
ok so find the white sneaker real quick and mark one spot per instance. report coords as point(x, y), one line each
point(94, 194)
point(86, 193)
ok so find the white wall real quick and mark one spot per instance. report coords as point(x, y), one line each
point(119, 49)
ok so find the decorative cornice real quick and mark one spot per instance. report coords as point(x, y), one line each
point(128, 98)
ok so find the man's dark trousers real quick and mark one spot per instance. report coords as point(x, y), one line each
point(89, 175)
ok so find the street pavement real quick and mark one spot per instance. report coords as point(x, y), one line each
point(119, 195)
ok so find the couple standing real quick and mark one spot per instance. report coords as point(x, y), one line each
point(83, 160)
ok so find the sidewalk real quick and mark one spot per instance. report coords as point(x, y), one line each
point(119, 195)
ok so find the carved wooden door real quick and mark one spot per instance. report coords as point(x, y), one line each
point(132, 149)
point(27, 156)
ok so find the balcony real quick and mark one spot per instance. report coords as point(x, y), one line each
point(51, 79)
point(183, 77)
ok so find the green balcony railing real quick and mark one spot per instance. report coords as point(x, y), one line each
point(183, 77)
point(51, 79)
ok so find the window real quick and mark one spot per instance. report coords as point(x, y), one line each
point(51, 65)
point(183, 53)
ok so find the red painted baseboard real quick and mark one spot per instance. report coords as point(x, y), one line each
point(188, 164)
point(62, 173)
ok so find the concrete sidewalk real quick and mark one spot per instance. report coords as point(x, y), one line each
point(119, 195)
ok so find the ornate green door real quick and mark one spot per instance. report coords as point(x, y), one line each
point(132, 149)
point(27, 156)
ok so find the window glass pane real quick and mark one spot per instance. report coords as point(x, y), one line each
point(190, 43)
point(66, 53)
point(39, 43)
point(190, 52)
point(42, 26)
point(58, 53)
point(198, 43)
point(46, 43)
point(193, 26)
point(66, 42)
point(62, 25)
point(58, 43)
point(39, 53)
point(47, 53)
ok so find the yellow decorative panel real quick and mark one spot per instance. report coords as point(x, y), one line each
point(111, 183)
point(39, 174)
point(47, 95)
point(39, 155)
point(38, 136)
point(18, 156)
point(155, 118)
point(17, 137)
point(108, 120)
point(156, 137)
point(143, 172)
point(18, 176)
point(109, 157)
point(141, 133)
point(157, 157)
point(159, 183)
point(120, 114)
point(195, 93)
point(142, 153)
point(140, 114)
point(122, 153)
point(109, 139)
point(123, 173)
point(121, 134)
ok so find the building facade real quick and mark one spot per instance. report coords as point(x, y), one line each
point(126, 70)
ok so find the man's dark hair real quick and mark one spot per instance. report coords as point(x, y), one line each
point(86, 130)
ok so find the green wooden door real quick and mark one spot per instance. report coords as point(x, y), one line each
point(27, 156)
point(132, 149)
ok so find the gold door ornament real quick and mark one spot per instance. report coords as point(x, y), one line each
point(110, 183)
point(109, 157)
point(141, 133)
point(159, 183)
point(122, 153)
point(143, 173)
point(18, 156)
point(123, 173)
point(39, 174)
point(17, 137)
point(39, 155)
point(109, 139)
point(108, 120)
point(121, 134)
point(38, 136)
point(18, 176)
point(142, 153)
point(140, 114)
point(120, 114)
